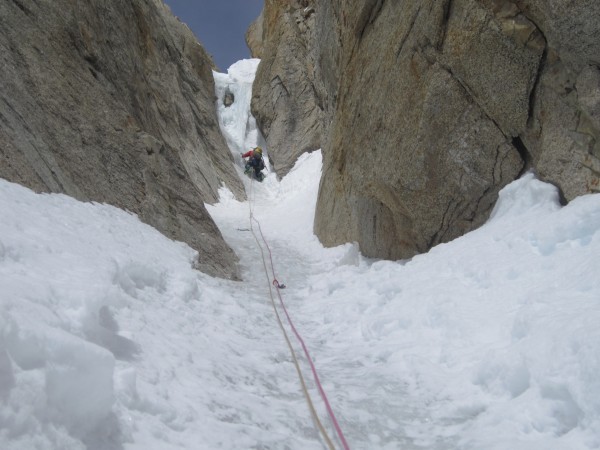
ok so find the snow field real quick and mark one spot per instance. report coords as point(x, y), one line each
point(485, 342)
point(66, 269)
point(109, 339)
point(493, 332)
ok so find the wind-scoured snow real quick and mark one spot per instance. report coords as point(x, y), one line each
point(109, 339)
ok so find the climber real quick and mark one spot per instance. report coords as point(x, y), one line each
point(255, 161)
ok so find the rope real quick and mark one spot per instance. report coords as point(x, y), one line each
point(298, 336)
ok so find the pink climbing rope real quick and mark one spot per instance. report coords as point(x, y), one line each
point(336, 425)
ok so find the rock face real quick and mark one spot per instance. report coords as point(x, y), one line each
point(285, 103)
point(427, 109)
point(113, 102)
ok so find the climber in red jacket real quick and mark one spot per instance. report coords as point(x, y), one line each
point(255, 162)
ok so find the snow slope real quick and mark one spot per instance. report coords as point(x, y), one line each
point(110, 340)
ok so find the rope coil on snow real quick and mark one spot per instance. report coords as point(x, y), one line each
point(278, 287)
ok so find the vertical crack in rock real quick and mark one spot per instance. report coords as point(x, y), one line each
point(438, 236)
point(495, 182)
point(277, 81)
point(369, 16)
point(444, 25)
point(408, 32)
point(524, 153)
point(536, 81)
point(23, 8)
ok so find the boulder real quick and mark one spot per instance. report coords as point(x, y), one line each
point(427, 109)
point(414, 159)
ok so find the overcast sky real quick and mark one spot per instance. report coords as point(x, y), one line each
point(220, 25)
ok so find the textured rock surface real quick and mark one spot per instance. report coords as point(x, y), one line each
point(285, 103)
point(113, 101)
point(563, 136)
point(429, 108)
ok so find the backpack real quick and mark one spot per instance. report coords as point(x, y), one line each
point(256, 162)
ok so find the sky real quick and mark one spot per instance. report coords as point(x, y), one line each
point(109, 339)
point(219, 25)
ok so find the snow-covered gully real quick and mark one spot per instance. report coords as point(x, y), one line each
point(109, 339)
